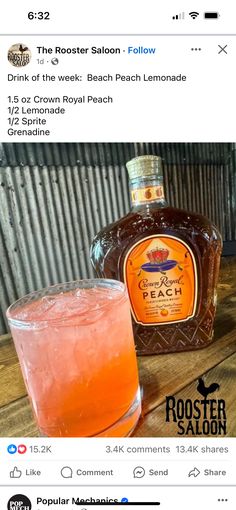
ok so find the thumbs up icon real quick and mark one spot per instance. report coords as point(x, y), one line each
point(15, 473)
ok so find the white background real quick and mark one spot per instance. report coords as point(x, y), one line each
point(201, 109)
point(87, 454)
point(195, 498)
point(123, 17)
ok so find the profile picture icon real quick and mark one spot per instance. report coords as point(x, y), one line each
point(19, 55)
point(19, 502)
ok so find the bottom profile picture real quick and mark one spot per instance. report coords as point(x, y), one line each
point(19, 502)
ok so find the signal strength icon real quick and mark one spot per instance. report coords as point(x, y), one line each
point(194, 14)
point(179, 16)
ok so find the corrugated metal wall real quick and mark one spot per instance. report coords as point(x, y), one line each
point(55, 197)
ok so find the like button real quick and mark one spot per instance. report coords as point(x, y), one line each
point(15, 473)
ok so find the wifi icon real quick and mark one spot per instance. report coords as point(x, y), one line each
point(194, 14)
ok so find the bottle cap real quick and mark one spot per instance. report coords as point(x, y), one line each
point(143, 166)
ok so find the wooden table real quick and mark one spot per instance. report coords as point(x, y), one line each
point(168, 374)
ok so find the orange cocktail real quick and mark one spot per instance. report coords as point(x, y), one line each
point(76, 349)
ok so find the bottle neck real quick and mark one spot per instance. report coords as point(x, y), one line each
point(146, 191)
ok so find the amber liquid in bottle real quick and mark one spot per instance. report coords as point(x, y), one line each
point(169, 259)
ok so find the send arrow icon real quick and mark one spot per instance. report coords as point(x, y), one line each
point(194, 472)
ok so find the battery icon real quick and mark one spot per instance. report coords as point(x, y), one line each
point(211, 15)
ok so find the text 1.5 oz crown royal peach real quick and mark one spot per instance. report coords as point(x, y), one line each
point(169, 259)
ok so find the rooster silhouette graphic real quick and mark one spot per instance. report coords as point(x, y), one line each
point(21, 49)
point(206, 390)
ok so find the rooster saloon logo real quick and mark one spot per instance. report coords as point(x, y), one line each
point(200, 417)
point(19, 55)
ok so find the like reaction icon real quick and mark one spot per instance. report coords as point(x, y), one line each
point(12, 448)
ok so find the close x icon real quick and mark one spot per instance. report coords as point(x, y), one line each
point(222, 49)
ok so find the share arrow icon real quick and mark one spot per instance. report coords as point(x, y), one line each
point(194, 472)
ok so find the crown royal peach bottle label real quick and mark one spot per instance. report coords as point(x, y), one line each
point(161, 276)
point(169, 259)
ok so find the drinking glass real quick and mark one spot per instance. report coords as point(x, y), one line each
point(76, 350)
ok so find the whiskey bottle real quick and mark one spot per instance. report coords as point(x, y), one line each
point(169, 259)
